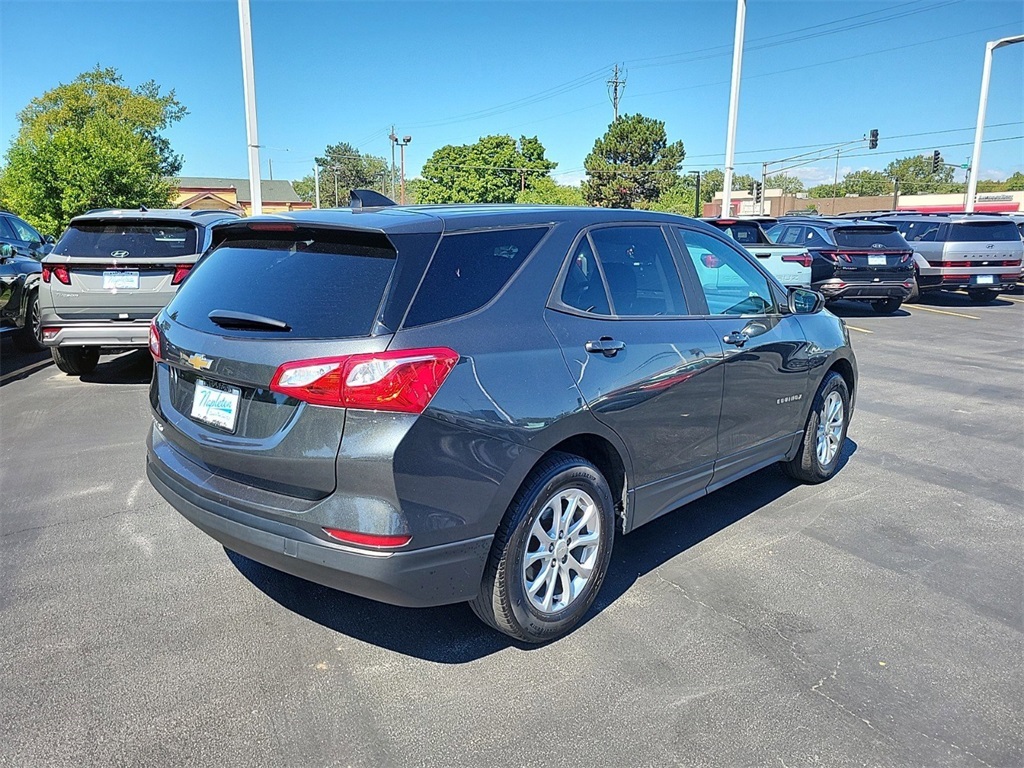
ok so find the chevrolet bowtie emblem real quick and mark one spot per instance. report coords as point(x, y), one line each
point(199, 362)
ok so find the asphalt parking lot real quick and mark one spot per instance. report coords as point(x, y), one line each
point(873, 620)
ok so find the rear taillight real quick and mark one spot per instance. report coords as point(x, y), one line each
point(954, 264)
point(803, 259)
point(369, 539)
point(154, 339)
point(180, 273)
point(58, 271)
point(403, 381)
point(831, 255)
point(905, 258)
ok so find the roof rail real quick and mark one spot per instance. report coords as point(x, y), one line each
point(203, 211)
point(367, 198)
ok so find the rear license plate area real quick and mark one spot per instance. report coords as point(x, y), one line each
point(216, 404)
point(985, 280)
point(120, 280)
point(876, 260)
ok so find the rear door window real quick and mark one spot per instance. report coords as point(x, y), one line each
point(983, 232)
point(919, 231)
point(640, 272)
point(468, 270)
point(869, 238)
point(130, 240)
point(584, 288)
point(322, 284)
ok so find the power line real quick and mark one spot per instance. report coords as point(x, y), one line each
point(614, 91)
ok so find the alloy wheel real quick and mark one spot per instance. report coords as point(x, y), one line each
point(830, 428)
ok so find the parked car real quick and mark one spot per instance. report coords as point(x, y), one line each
point(1018, 219)
point(110, 273)
point(430, 405)
point(791, 265)
point(979, 253)
point(21, 248)
point(861, 260)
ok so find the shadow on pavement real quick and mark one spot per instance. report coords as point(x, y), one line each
point(861, 309)
point(453, 635)
point(135, 367)
point(15, 364)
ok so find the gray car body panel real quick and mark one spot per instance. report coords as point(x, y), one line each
point(448, 475)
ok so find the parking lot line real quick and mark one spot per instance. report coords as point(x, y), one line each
point(1011, 298)
point(855, 328)
point(939, 311)
point(26, 369)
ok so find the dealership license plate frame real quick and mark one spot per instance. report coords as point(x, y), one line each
point(216, 405)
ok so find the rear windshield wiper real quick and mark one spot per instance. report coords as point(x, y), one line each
point(229, 319)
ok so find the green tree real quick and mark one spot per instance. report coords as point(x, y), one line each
point(351, 169)
point(632, 164)
point(714, 181)
point(788, 184)
point(496, 169)
point(544, 191)
point(866, 183)
point(916, 177)
point(1015, 183)
point(91, 143)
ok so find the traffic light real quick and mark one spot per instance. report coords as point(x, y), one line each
point(873, 139)
point(936, 161)
point(757, 190)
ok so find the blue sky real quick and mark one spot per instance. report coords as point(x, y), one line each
point(814, 73)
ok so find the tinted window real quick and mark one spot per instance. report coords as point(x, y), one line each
point(140, 240)
point(744, 232)
point(6, 230)
point(731, 284)
point(815, 238)
point(983, 231)
point(918, 231)
point(638, 267)
point(323, 284)
point(23, 231)
point(468, 270)
point(869, 238)
point(583, 288)
point(787, 235)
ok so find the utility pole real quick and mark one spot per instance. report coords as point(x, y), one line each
point(270, 164)
point(335, 186)
point(835, 185)
point(394, 139)
point(401, 147)
point(696, 196)
point(249, 89)
point(615, 88)
point(764, 186)
point(986, 72)
point(895, 194)
point(316, 182)
point(734, 106)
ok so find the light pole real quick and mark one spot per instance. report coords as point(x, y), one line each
point(972, 186)
point(393, 138)
point(734, 106)
point(249, 89)
point(401, 148)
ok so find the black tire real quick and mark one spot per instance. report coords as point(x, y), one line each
point(503, 602)
point(915, 291)
point(806, 466)
point(76, 361)
point(886, 306)
point(30, 337)
point(982, 295)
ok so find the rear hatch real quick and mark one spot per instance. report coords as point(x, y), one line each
point(871, 253)
point(990, 251)
point(258, 300)
point(119, 269)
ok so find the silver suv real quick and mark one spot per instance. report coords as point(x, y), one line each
point(979, 253)
point(110, 273)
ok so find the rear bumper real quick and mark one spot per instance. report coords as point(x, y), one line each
point(95, 334)
point(438, 575)
point(838, 289)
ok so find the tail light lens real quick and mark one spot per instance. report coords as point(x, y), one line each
point(803, 259)
point(180, 273)
point(948, 264)
point(369, 539)
point(404, 381)
point(58, 271)
point(832, 256)
point(154, 339)
point(905, 258)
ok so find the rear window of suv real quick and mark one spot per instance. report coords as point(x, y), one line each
point(869, 238)
point(983, 231)
point(324, 284)
point(102, 240)
point(744, 232)
point(468, 270)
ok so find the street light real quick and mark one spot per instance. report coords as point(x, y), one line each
point(401, 147)
point(972, 187)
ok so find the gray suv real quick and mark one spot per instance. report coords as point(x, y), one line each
point(428, 405)
point(977, 252)
point(110, 273)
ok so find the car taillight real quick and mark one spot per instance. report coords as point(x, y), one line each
point(180, 273)
point(948, 264)
point(369, 539)
point(154, 339)
point(404, 381)
point(59, 271)
point(803, 259)
point(905, 258)
point(831, 255)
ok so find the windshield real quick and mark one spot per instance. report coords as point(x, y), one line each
point(320, 283)
point(128, 240)
point(983, 231)
point(870, 238)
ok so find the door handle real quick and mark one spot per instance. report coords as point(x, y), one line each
point(606, 345)
point(736, 338)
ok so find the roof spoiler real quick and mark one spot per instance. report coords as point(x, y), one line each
point(367, 198)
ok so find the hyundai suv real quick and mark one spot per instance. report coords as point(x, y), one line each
point(427, 405)
point(862, 260)
point(979, 253)
point(110, 273)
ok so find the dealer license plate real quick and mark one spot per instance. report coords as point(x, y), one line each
point(215, 405)
point(876, 260)
point(985, 279)
point(120, 280)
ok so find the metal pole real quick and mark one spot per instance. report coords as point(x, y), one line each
point(734, 103)
point(696, 206)
point(402, 152)
point(764, 186)
point(270, 165)
point(335, 187)
point(895, 194)
point(835, 184)
point(394, 139)
point(972, 187)
point(249, 88)
point(316, 182)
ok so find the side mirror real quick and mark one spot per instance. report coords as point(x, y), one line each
point(803, 301)
point(6, 251)
point(50, 240)
point(711, 261)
